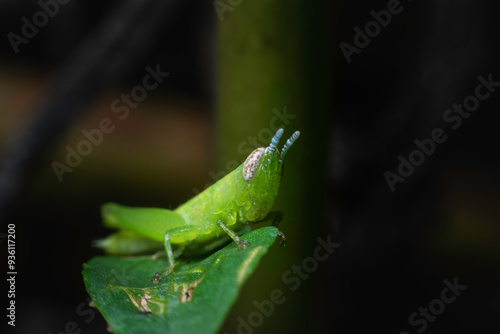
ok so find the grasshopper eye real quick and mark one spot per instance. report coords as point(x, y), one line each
point(252, 163)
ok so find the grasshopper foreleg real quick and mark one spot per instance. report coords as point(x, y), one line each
point(242, 244)
point(275, 217)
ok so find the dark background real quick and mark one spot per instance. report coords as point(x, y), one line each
point(397, 248)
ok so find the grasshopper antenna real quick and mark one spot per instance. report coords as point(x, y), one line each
point(289, 144)
point(273, 146)
point(274, 142)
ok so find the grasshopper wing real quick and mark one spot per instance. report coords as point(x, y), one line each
point(128, 243)
point(148, 222)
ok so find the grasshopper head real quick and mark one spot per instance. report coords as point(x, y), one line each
point(267, 161)
point(262, 173)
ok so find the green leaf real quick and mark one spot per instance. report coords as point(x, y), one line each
point(194, 298)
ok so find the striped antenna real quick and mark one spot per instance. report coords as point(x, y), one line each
point(288, 144)
point(274, 142)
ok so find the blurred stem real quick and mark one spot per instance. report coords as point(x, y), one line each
point(272, 59)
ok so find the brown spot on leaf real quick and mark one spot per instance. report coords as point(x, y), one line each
point(187, 291)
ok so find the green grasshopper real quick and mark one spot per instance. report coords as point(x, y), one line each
point(244, 196)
